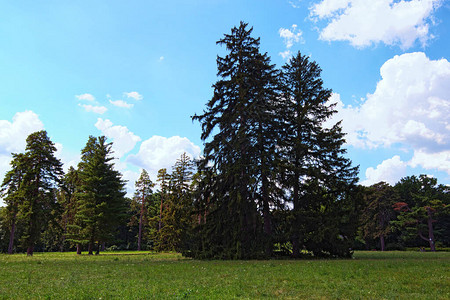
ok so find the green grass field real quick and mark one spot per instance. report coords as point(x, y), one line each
point(144, 275)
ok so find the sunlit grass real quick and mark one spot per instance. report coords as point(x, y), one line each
point(375, 275)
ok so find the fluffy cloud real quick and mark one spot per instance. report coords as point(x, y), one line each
point(95, 109)
point(123, 139)
point(411, 105)
point(121, 103)
point(291, 36)
point(160, 152)
point(390, 171)
point(87, 97)
point(438, 161)
point(364, 23)
point(13, 135)
point(68, 159)
point(134, 95)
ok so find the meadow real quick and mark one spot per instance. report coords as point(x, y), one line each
point(147, 275)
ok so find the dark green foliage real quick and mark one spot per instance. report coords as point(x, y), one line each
point(101, 205)
point(317, 176)
point(423, 210)
point(176, 216)
point(378, 212)
point(271, 173)
point(140, 203)
point(31, 187)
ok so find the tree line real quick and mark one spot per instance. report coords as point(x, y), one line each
point(273, 181)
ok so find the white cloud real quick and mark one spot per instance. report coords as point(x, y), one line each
point(95, 109)
point(411, 105)
point(391, 171)
point(364, 23)
point(439, 161)
point(13, 136)
point(134, 95)
point(286, 54)
point(291, 36)
point(161, 58)
point(123, 139)
point(160, 152)
point(121, 103)
point(87, 97)
point(295, 4)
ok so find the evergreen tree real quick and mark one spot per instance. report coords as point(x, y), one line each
point(12, 195)
point(378, 212)
point(241, 152)
point(142, 197)
point(43, 173)
point(315, 171)
point(101, 204)
point(177, 212)
point(423, 203)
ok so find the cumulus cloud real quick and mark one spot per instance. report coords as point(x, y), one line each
point(13, 136)
point(121, 103)
point(410, 107)
point(134, 95)
point(390, 170)
point(123, 139)
point(364, 23)
point(87, 97)
point(95, 109)
point(291, 36)
point(160, 152)
point(431, 161)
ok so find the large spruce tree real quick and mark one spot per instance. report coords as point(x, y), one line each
point(268, 156)
point(316, 172)
point(241, 154)
point(42, 173)
point(101, 204)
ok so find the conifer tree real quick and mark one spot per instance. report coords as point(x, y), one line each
point(316, 172)
point(12, 194)
point(101, 202)
point(242, 153)
point(43, 172)
point(142, 197)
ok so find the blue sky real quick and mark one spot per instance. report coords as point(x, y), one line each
point(136, 71)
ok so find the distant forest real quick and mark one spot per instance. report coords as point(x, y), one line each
point(273, 181)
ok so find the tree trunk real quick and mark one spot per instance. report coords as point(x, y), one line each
point(97, 252)
point(430, 230)
point(30, 250)
point(90, 248)
point(160, 212)
point(11, 237)
point(140, 224)
point(78, 249)
point(295, 234)
point(382, 242)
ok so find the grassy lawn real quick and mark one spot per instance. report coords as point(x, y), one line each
point(132, 275)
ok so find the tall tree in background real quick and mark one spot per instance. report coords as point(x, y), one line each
point(163, 179)
point(378, 212)
point(315, 169)
point(142, 196)
point(101, 196)
point(12, 194)
point(68, 201)
point(177, 212)
point(422, 203)
point(42, 176)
